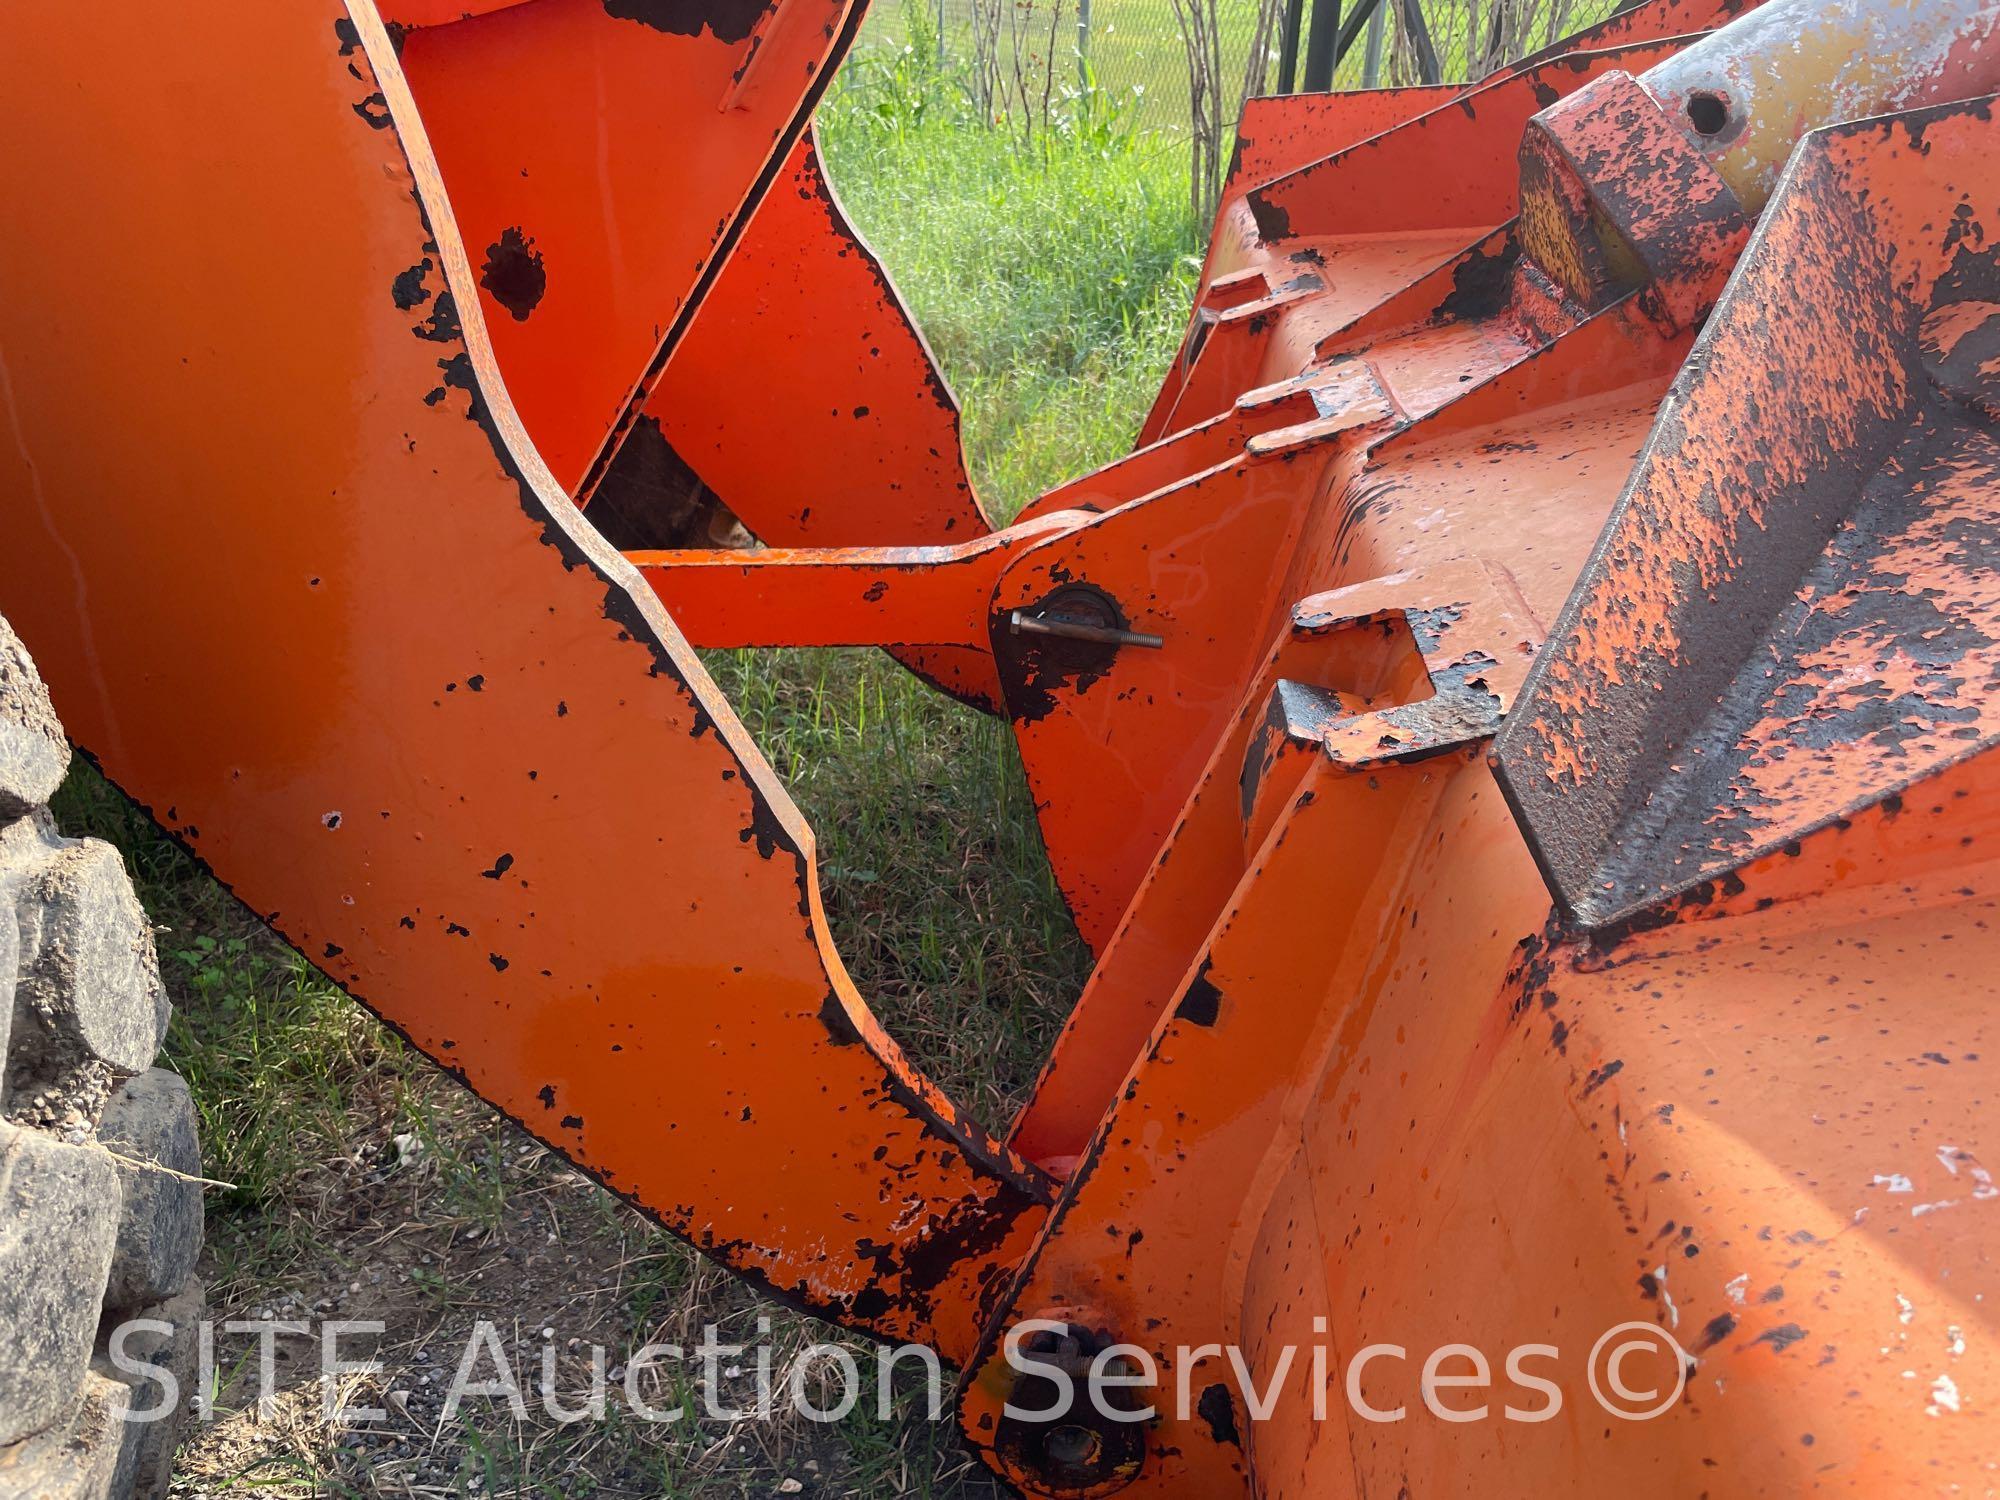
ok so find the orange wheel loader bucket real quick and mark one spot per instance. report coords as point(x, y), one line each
point(482, 782)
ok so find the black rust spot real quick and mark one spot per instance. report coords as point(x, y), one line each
point(1598, 1077)
point(1219, 1411)
point(839, 1025)
point(442, 327)
point(513, 274)
point(408, 288)
point(725, 20)
point(1203, 1001)
point(1481, 282)
point(764, 827)
point(1782, 1337)
point(1274, 220)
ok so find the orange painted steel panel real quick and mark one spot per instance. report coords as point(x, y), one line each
point(1363, 222)
point(1384, 1088)
point(311, 598)
point(1789, 636)
point(615, 247)
point(804, 329)
point(833, 596)
point(1214, 840)
point(804, 332)
point(407, 15)
point(1280, 133)
point(1282, 137)
point(1213, 564)
point(1427, 1126)
point(602, 159)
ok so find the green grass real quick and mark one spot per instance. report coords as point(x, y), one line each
point(1053, 286)
point(1137, 57)
point(1053, 283)
point(1134, 53)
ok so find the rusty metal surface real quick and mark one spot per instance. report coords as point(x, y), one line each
point(1113, 750)
point(1307, 252)
point(1791, 615)
point(1279, 138)
point(321, 609)
point(1741, 98)
point(1365, 964)
point(1187, 1145)
point(1621, 212)
point(1415, 322)
point(1615, 198)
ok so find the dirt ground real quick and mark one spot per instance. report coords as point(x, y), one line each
point(430, 1238)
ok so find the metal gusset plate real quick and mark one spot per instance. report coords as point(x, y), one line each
point(299, 582)
point(603, 158)
point(804, 336)
point(1792, 614)
point(1447, 162)
point(664, 256)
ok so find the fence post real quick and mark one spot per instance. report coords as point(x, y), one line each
point(1082, 46)
point(1371, 64)
point(1419, 35)
point(1288, 46)
point(1322, 45)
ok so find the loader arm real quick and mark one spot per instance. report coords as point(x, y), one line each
point(483, 783)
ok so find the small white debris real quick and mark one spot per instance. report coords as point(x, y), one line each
point(1948, 1159)
point(1737, 1287)
point(1905, 1310)
point(1944, 1396)
point(1896, 1182)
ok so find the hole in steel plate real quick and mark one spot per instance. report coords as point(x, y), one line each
point(1707, 112)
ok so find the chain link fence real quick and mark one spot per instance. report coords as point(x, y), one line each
point(1187, 65)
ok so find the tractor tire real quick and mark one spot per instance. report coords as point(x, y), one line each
point(100, 1206)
